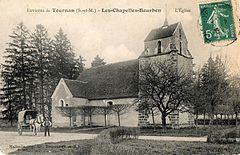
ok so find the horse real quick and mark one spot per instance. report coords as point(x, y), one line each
point(35, 124)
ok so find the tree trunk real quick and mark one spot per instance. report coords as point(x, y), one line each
point(216, 119)
point(221, 116)
point(164, 123)
point(196, 121)
point(105, 117)
point(228, 119)
point(153, 119)
point(84, 123)
point(42, 84)
point(236, 118)
point(49, 112)
point(90, 117)
point(11, 121)
point(211, 119)
point(11, 114)
point(119, 124)
point(204, 119)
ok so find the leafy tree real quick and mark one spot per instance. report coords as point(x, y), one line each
point(214, 84)
point(97, 61)
point(164, 87)
point(119, 109)
point(104, 110)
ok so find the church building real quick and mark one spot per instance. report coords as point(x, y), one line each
point(116, 85)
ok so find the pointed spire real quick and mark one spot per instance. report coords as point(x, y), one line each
point(166, 21)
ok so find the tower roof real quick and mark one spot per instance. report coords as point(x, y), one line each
point(165, 22)
point(162, 32)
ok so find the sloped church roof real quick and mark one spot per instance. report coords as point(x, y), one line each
point(117, 80)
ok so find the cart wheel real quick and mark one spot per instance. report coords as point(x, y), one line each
point(19, 129)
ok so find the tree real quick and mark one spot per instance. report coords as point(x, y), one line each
point(41, 43)
point(214, 84)
point(104, 110)
point(33, 67)
point(66, 65)
point(97, 61)
point(18, 72)
point(164, 87)
point(197, 101)
point(120, 109)
point(234, 99)
point(69, 112)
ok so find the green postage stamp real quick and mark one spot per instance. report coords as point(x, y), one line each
point(217, 21)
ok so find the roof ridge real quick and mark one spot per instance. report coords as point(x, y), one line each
point(111, 64)
point(165, 26)
point(75, 80)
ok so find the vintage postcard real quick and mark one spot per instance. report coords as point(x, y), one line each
point(120, 77)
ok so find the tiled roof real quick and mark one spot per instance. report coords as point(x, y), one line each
point(162, 32)
point(77, 88)
point(117, 80)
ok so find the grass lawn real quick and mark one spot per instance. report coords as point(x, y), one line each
point(149, 147)
point(184, 132)
point(144, 146)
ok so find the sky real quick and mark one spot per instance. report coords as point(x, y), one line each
point(114, 36)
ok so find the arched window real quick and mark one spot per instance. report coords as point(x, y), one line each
point(159, 47)
point(61, 102)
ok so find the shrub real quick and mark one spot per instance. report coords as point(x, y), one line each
point(108, 140)
point(224, 135)
point(121, 133)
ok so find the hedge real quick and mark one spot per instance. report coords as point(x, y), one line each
point(224, 136)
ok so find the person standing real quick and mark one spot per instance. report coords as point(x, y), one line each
point(47, 124)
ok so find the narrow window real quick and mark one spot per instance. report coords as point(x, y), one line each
point(159, 47)
point(180, 47)
point(62, 103)
point(147, 51)
point(180, 34)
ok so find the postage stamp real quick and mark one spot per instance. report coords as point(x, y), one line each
point(217, 21)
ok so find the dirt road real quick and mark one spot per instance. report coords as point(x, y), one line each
point(11, 141)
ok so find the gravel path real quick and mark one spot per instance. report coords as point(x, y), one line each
point(11, 141)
